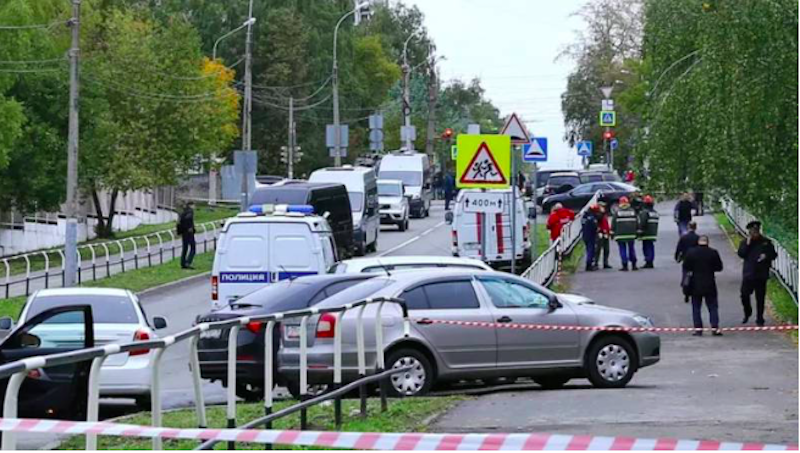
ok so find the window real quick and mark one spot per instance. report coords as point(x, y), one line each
point(416, 299)
point(327, 251)
point(356, 201)
point(585, 189)
point(409, 178)
point(390, 190)
point(449, 295)
point(340, 286)
point(507, 294)
point(105, 309)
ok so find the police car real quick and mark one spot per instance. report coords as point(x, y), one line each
point(268, 244)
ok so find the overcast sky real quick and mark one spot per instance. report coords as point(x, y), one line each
point(512, 46)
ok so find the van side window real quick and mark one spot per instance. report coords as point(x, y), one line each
point(449, 295)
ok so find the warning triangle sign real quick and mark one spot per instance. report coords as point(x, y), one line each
point(483, 169)
point(534, 150)
point(516, 129)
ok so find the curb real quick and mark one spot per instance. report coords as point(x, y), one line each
point(173, 285)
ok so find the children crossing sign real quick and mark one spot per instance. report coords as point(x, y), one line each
point(483, 161)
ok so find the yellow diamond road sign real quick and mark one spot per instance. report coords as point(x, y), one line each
point(483, 161)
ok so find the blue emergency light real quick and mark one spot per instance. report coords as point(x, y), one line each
point(263, 209)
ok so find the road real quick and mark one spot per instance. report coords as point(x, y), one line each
point(740, 387)
point(182, 303)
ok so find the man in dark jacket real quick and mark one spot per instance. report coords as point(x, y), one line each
point(589, 235)
point(758, 253)
point(449, 190)
point(683, 213)
point(703, 261)
point(648, 230)
point(186, 230)
point(686, 243)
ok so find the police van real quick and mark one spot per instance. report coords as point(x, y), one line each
point(268, 244)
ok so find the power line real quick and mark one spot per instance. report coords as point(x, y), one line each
point(24, 62)
point(32, 27)
point(202, 97)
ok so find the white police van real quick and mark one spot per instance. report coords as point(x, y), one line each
point(268, 244)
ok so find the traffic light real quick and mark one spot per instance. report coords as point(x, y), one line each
point(447, 134)
point(608, 135)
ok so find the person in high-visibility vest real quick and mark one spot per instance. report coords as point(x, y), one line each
point(648, 231)
point(624, 226)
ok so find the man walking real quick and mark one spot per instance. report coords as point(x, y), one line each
point(703, 262)
point(623, 228)
point(603, 237)
point(186, 230)
point(449, 190)
point(758, 253)
point(589, 235)
point(648, 230)
point(683, 213)
point(686, 243)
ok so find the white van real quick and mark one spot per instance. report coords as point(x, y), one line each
point(362, 190)
point(467, 232)
point(414, 170)
point(266, 245)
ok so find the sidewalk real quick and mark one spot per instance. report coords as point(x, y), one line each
point(739, 387)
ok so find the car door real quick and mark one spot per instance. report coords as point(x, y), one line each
point(56, 391)
point(513, 301)
point(453, 300)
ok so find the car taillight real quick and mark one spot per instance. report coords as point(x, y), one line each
point(140, 335)
point(455, 238)
point(326, 326)
point(254, 326)
point(214, 287)
point(524, 232)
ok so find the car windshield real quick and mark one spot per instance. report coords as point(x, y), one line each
point(358, 292)
point(356, 201)
point(591, 178)
point(409, 178)
point(106, 309)
point(561, 180)
point(390, 190)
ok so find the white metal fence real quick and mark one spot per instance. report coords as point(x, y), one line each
point(784, 268)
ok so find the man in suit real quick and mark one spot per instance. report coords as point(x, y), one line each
point(687, 242)
point(186, 230)
point(758, 253)
point(703, 262)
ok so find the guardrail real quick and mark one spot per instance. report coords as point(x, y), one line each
point(17, 371)
point(784, 268)
point(100, 260)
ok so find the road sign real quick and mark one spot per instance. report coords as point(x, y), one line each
point(608, 118)
point(585, 148)
point(536, 150)
point(484, 202)
point(483, 161)
point(330, 139)
point(607, 104)
point(453, 152)
point(515, 129)
point(376, 121)
point(474, 129)
point(614, 143)
point(408, 133)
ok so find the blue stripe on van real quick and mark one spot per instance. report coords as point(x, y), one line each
point(286, 275)
point(244, 277)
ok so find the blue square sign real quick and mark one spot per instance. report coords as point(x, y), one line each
point(585, 148)
point(536, 150)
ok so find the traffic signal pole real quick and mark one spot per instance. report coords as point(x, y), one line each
point(71, 227)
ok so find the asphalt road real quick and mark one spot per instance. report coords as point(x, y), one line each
point(740, 387)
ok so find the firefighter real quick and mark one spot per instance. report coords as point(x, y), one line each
point(648, 230)
point(624, 226)
point(603, 236)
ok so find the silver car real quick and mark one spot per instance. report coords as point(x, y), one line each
point(447, 352)
point(393, 203)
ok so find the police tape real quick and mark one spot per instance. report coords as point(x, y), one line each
point(381, 441)
point(518, 326)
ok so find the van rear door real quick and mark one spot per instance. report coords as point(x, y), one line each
point(243, 260)
point(294, 252)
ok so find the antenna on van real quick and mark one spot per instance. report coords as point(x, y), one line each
point(385, 269)
point(291, 277)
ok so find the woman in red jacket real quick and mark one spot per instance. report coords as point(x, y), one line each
point(603, 237)
point(559, 217)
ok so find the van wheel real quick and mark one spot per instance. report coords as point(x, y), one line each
point(414, 382)
point(611, 362)
point(403, 225)
point(249, 392)
point(144, 403)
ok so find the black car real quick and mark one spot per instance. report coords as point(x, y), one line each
point(577, 198)
point(283, 296)
point(598, 176)
point(559, 183)
point(59, 391)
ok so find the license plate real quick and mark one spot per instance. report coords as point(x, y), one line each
point(211, 334)
point(472, 246)
point(292, 332)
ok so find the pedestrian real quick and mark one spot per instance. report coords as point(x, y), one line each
point(186, 231)
point(624, 225)
point(559, 217)
point(648, 230)
point(449, 190)
point(603, 237)
point(687, 242)
point(699, 206)
point(589, 235)
point(758, 254)
point(636, 202)
point(702, 262)
point(683, 213)
point(521, 182)
point(630, 176)
point(438, 185)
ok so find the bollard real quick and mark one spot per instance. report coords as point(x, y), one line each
point(28, 274)
point(149, 255)
point(108, 259)
point(381, 365)
point(8, 278)
point(121, 256)
point(233, 337)
point(172, 242)
point(93, 403)
point(362, 367)
point(160, 248)
point(197, 383)
point(303, 370)
point(135, 254)
point(46, 270)
point(155, 390)
point(94, 262)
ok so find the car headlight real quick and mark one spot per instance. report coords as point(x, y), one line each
point(397, 206)
point(643, 321)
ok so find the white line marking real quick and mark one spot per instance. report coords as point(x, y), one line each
point(412, 240)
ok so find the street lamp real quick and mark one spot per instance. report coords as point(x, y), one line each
point(337, 133)
point(407, 92)
point(247, 23)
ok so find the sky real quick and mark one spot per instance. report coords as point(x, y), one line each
point(512, 46)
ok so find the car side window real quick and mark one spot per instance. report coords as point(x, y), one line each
point(340, 286)
point(451, 295)
point(508, 294)
point(584, 190)
point(415, 299)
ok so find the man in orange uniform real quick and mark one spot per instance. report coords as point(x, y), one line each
point(559, 217)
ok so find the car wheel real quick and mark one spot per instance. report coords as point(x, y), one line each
point(312, 391)
point(611, 362)
point(249, 392)
point(414, 382)
point(402, 225)
point(144, 403)
point(551, 382)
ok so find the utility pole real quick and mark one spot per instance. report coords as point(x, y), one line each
point(433, 94)
point(71, 230)
point(290, 148)
point(337, 130)
point(247, 144)
point(407, 102)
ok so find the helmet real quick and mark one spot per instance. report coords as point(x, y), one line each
point(623, 200)
point(594, 207)
point(648, 199)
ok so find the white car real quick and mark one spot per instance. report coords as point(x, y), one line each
point(118, 318)
point(394, 204)
point(399, 263)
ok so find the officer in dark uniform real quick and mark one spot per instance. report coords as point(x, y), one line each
point(703, 262)
point(758, 253)
point(648, 230)
point(624, 226)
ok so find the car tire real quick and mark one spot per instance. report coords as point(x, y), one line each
point(610, 362)
point(551, 382)
point(402, 225)
point(250, 392)
point(144, 403)
point(313, 390)
point(416, 382)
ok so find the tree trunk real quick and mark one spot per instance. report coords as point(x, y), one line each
point(100, 228)
point(112, 204)
point(105, 224)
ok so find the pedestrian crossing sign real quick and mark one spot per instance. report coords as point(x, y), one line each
point(608, 118)
point(483, 161)
point(536, 150)
point(585, 148)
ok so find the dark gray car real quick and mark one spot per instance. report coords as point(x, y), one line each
point(446, 352)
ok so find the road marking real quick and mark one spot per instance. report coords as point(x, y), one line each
point(412, 240)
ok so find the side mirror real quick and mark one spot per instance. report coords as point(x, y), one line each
point(6, 323)
point(448, 217)
point(159, 323)
point(532, 212)
point(553, 304)
point(29, 340)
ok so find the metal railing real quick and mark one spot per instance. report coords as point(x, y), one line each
point(17, 371)
point(784, 267)
point(101, 259)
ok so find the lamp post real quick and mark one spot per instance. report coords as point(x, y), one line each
point(407, 92)
point(247, 23)
point(337, 132)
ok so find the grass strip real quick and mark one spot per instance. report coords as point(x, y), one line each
point(404, 415)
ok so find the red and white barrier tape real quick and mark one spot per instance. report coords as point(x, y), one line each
point(606, 328)
point(383, 441)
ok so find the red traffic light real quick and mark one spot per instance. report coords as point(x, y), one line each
point(448, 134)
point(608, 135)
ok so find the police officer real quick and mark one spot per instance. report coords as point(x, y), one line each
point(758, 253)
point(624, 226)
point(648, 230)
point(589, 234)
